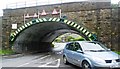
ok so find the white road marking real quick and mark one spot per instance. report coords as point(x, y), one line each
point(33, 61)
point(46, 65)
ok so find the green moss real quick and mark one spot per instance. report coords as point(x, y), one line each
point(6, 52)
point(117, 52)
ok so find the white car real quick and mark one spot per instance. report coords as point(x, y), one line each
point(90, 55)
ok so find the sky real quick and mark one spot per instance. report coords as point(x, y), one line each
point(4, 3)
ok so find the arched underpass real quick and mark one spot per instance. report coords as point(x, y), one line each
point(38, 34)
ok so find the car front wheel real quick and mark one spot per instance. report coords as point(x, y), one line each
point(65, 60)
point(86, 65)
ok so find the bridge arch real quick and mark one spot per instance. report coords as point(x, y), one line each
point(20, 38)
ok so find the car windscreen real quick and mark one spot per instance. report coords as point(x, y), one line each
point(93, 46)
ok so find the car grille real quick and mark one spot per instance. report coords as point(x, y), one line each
point(117, 60)
point(108, 61)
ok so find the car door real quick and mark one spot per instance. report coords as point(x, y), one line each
point(69, 52)
point(72, 52)
point(77, 55)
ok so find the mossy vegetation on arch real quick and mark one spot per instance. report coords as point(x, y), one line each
point(69, 37)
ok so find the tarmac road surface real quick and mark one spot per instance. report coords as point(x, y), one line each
point(39, 60)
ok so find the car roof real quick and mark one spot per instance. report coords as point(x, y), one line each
point(84, 41)
point(81, 41)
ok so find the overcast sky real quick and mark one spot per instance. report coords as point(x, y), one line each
point(6, 2)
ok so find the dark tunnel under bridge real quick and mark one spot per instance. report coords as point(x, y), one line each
point(38, 34)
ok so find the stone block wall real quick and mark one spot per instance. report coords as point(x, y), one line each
point(97, 17)
point(0, 33)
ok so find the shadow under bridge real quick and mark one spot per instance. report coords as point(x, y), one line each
point(38, 34)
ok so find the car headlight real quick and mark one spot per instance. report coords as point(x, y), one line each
point(98, 60)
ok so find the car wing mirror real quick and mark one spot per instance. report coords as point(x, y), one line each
point(79, 51)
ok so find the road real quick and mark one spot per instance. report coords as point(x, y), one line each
point(39, 60)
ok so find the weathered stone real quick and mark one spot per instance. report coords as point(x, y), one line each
point(97, 17)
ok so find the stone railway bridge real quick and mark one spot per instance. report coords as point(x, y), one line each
point(83, 18)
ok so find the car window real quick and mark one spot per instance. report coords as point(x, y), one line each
point(69, 46)
point(74, 46)
point(77, 45)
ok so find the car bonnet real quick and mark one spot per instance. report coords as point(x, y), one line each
point(103, 55)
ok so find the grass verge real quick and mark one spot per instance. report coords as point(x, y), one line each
point(117, 52)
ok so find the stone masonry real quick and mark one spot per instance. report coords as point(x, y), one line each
point(97, 17)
